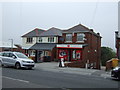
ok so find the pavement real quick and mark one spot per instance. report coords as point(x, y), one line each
point(54, 67)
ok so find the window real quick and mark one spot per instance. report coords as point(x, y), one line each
point(80, 37)
point(68, 37)
point(1, 54)
point(6, 54)
point(50, 39)
point(76, 54)
point(11, 55)
point(29, 40)
point(21, 55)
point(46, 53)
point(32, 53)
point(40, 39)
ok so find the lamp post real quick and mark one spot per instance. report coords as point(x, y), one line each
point(11, 44)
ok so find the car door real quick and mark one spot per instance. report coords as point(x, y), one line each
point(12, 59)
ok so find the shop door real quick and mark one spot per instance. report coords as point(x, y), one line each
point(69, 55)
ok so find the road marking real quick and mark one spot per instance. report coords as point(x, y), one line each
point(16, 79)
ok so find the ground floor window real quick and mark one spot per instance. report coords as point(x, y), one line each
point(62, 53)
point(69, 54)
point(32, 53)
point(76, 54)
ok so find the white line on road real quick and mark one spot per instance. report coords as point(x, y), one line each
point(16, 79)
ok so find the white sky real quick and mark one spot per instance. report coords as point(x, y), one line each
point(21, 17)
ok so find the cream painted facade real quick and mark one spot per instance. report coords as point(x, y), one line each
point(45, 40)
point(27, 45)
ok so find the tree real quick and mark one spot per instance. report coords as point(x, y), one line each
point(106, 54)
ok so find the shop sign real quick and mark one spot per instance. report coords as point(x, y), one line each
point(69, 46)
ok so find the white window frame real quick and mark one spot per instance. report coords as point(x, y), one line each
point(40, 40)
point(68, 35)
point(29, 40)
point(51, 39)
point(79, 35)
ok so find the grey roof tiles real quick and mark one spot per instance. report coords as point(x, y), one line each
point(58, 32)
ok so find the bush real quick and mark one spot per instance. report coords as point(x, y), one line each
point(106, 54)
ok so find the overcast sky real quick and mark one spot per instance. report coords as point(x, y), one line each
point(20, 18)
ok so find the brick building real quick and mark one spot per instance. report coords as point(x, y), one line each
point(117, 36)
point(76, 44)
point(81, 44)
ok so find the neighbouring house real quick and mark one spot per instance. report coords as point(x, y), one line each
point(7, 46)
point(117, 36)
point(76, 44)
point(45, 47)
point(30, 39)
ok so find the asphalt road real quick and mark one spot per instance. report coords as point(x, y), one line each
point(38, 78)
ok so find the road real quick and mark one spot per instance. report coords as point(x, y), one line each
point(39, 78)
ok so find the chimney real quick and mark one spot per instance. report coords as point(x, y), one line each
point(36, 30)
point(98, 34)
point(91, 30)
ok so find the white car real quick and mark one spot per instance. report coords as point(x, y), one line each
point(16, 59)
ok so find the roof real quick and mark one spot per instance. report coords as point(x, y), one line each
point(35, 32)
point(43, 46)
point(6, 45)
point(80, 28)
point(26, 47)
point(77, 28)
point(58, 32)
point(52, 32)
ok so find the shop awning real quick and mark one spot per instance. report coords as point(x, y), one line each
point(43, 46)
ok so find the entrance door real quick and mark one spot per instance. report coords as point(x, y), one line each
point(69, 55)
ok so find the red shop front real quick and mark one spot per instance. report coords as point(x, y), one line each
point(70, 52)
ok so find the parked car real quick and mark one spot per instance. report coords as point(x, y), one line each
point(16, 59)
point(116, 73)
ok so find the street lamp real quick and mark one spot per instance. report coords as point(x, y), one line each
point(11, 44)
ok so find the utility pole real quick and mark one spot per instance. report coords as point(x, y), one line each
point(11, 44)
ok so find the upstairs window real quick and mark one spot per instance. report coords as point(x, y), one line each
point(50, 39)
point(40, 39)
point(68, 37)
point(80, 37)
point(29, 40)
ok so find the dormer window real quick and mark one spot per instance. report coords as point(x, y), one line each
point(80, 37)
point(68, 37)
point(29, 40)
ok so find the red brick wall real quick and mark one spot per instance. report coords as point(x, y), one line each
point(92, 51)
point(117, 44)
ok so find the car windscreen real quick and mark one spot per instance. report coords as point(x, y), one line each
point(20, 55)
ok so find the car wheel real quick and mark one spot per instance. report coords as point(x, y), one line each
point(17, 66)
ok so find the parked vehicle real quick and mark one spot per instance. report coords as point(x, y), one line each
point(16, 59)
point(116, 73)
